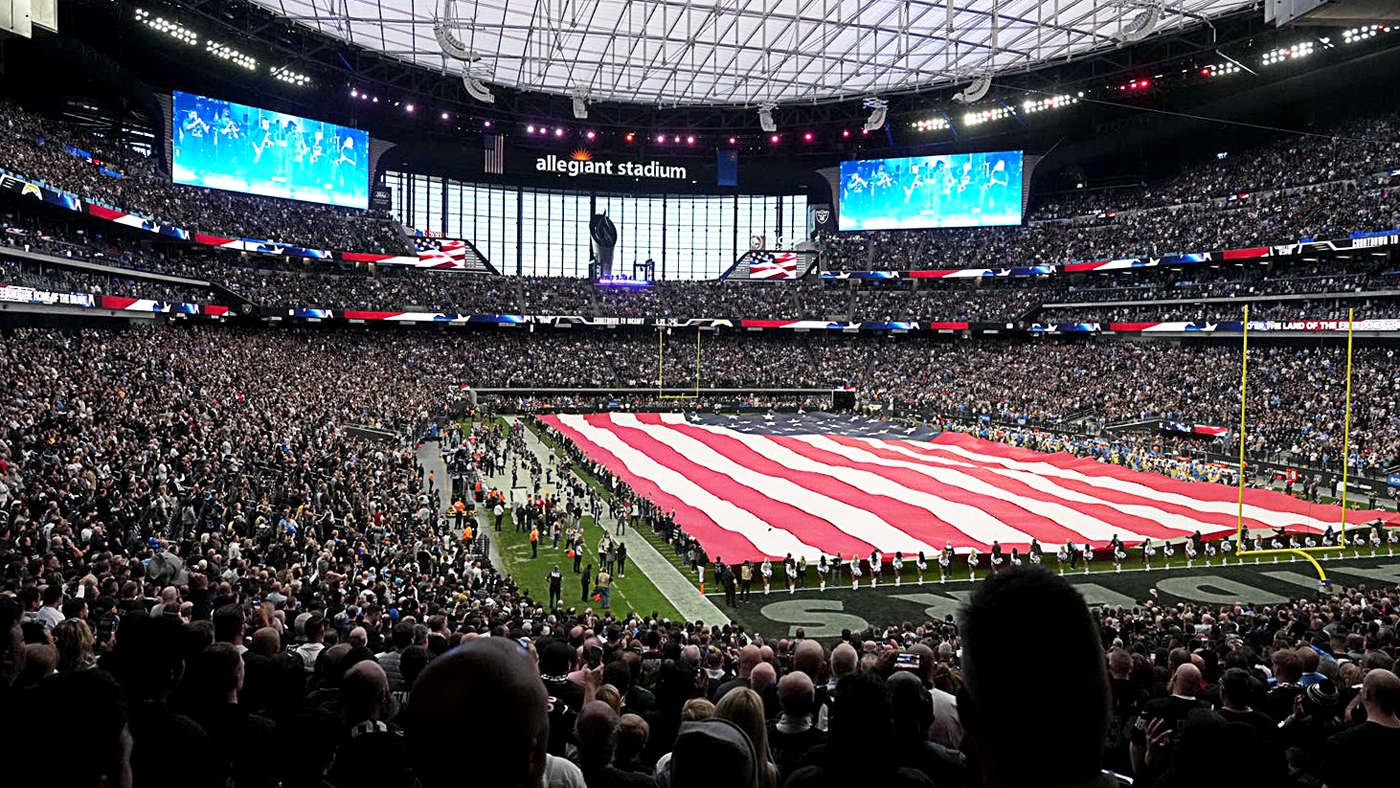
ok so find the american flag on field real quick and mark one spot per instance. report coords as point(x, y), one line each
point(494, 147)
point(810, 484)
point(441, 249)
point(772, 265)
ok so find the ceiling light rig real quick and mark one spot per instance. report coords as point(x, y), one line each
point(975, 91)
point(1141, 27)
point(444, 23)
point(878, 109)
point(765, 117)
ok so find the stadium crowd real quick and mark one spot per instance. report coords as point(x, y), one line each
point(35, 147)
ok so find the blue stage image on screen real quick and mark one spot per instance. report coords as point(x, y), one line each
point(223, 145)
point(950, 190)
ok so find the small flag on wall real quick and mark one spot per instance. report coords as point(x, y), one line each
point(495, 152)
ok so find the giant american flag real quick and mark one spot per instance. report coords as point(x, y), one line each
point(809, 484)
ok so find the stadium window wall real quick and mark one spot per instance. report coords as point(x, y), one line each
point(689, 236)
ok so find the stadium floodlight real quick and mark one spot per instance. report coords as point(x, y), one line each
point(1141, 27)
point(477, 89)
point(930, 124)
point(1285, 54)
point(765, 117)
point(974, 92)
point(580, 105)
point(443, 25)
point(1364, 32)
point(978, 117)
point(226, 52)
point(1031, 106)
point(285, 74)
point(878, 109)
point(162, 25)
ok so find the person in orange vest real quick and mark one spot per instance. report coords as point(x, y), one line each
point(431, 481)
point(467, 536)
point(459, 509)
point(534, 541)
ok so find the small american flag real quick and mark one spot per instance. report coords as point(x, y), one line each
point(772, 265)
point(494, 146)
point(442, 250)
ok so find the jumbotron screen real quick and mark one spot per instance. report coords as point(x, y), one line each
point(224, 145)
point(952, 190)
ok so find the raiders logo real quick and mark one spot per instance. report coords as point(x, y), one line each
point(246, 308)
point(823, 215)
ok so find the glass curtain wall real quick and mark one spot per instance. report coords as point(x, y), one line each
point(688, 236)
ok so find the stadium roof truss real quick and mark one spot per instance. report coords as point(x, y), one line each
point(743, 52)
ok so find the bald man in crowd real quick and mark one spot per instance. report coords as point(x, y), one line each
point(373, 753)
point(1165, 715)
point(448, 698)
point(795, 731)
point(1355, 756)
point(749, 656)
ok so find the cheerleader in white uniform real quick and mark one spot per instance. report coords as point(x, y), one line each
point(898, 566)
point(1357, 542)
point(1167, 552)
point(1375, 540)
point(1293, 542)
point(767, 571)
point(1210, 552)
point(855, 572)
point(791, 567)
point(1190, 553)
point(972, 563)
point(1061, 557)
point(1088, 553)
point(996, 562)
point(945, 563)
point(823, 569)
point(1148, 551)
point(1309, 542)
point(1015, 558)
point(1118, 555)
point(921, 564)
point(877, 565)
point(1392, 537)
point(1036, 553)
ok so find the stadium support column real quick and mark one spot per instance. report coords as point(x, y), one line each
point(519, 232)
point(1244, 384)
point(1346, 429)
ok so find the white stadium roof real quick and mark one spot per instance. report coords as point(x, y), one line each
point(743, 52)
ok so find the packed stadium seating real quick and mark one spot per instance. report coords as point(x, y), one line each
point(228, 526)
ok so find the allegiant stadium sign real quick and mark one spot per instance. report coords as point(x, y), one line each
point(617, 169)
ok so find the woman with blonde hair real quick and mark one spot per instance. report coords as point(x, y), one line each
point(743, 707)
point(609, 695)
point(73, 639)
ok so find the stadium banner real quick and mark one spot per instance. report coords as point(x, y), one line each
point(1194, 429)
point(984, 273)
point(125, 304)
point(18, 294)
point(1064, 328)
point(16, 184)
point(1237, 326)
